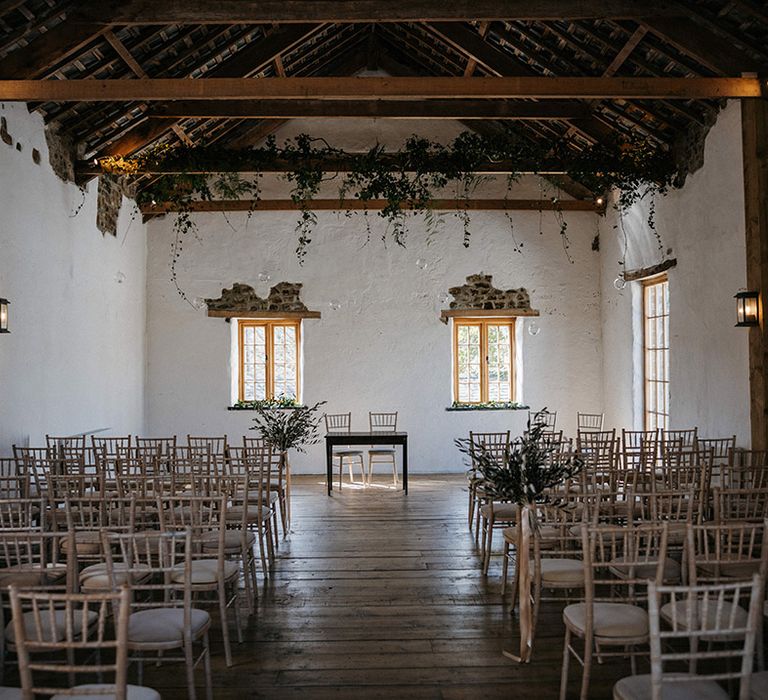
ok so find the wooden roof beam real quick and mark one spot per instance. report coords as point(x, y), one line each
point(393, 109)
point(378, 88)
point(143, 12)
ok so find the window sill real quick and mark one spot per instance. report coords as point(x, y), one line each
point(504, 407)
point(253, 408)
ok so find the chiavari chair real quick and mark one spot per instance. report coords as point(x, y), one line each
point(342, 423)
point(13, 485)
point(680, 666)
point(543, 417)
point(748, 505)
point(21, 513)
point(217, 445)
point(212, 571)
point(599, 451)
point(639, 450)
point(78, 627)
point(612, 621)
point(747, 469)
point(721, 450)
point(589, 423)
point(382, 422)
point(162, 617)
point(112, 445)
point(496, 445)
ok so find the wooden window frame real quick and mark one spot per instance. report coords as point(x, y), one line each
point(647, 283)
point(483, 323)
point(268, 325)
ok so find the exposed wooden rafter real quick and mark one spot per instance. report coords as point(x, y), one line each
point(394, 109)
point(377, 204)
point(377, 88)
point(143, 12)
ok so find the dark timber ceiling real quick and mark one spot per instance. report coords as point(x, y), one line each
point(40, 40)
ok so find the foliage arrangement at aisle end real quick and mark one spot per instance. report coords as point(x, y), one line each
point(525, 472)
point(288, 430)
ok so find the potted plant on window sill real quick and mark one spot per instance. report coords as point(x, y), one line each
point(285, 430)
point(525, 474)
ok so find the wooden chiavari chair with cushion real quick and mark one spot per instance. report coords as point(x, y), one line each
point(545, 417)
point(82, 632)
point(112, 445)
point(247, 460)
point(382, 423)
point(13, 484)
point(612, 621)
point(740, 505)
point(722, 451)
point(252, 508)
point(21, 513)
point(342, 423)
point(55, 444)
point(747, 469)
point(639, 451)
point(162, 449)
point(599, 450)
point(556, 563)
point(162, 617)
point(677, 440)
point(682, 667)
point(496, 444)
point(589, 422)
point(211, 570)
point(215, 445)
point(33, 559)
point(678, 508)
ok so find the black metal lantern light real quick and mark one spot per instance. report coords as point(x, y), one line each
point(4, 316)
point(747, 309)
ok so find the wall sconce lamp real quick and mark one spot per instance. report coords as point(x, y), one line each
point(4, 316)
point(747, 309)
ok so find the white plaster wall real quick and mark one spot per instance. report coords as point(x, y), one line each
point(75, 358)
point(385, 348)
point(703, 225)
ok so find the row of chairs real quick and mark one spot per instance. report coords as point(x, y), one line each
point(63, 538)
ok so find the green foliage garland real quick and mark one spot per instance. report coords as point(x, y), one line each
point(405, 179)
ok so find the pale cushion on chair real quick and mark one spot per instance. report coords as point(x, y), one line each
point(611, 620)
point(205, 571)
point(646, 570)
point(59, 631)
point(135, 692)
point(734, 569)
point(639, 688)
point(562, 572)
point(501, 511)
point(95, 577)
point(86, 542)
point(232, 540)
point(163, 625)
point(11, 694)
point(381, 452)
point(347, 453)
point(680, 609)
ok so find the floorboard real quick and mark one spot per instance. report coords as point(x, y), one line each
point(379, 595)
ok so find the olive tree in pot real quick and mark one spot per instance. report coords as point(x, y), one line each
point(285, 429)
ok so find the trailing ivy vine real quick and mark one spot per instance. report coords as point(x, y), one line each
point(406, 179)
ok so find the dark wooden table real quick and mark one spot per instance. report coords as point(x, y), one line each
point(365, 438)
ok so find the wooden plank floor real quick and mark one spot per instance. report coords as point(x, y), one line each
point(378, 595)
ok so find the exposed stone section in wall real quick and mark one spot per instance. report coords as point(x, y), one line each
point(688, 147)
point(284, 296)
point(479, 293)
point(111, 191)
point(61, 152)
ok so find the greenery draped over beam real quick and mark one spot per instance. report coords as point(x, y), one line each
point(414, 176)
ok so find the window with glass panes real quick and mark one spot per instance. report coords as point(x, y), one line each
point(269, 359)
point(483, 360)
point(656, 352)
